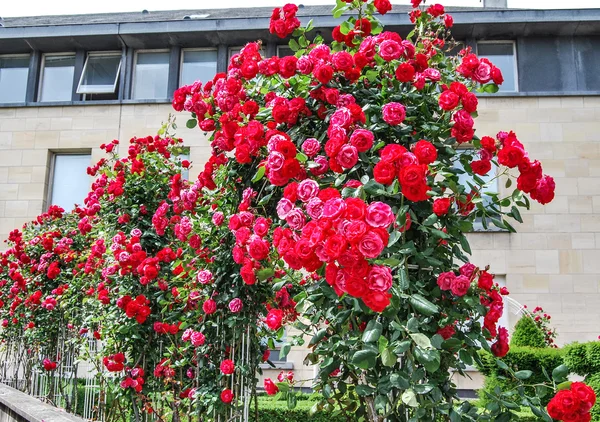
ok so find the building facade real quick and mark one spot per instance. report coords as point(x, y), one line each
point(70, 83)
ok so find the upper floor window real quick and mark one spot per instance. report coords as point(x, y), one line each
point(69, 183)
point(198, 65)
point(14, 71)
point(284, 50)
point(56, 82)
point(100, 76)
point(503, 55)
point(151, 75)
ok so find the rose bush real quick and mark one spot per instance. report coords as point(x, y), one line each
point(332, 194)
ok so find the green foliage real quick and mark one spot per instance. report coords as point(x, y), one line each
point(594, 382)
point(527, 334)
point(583, 358)
point(518, 359)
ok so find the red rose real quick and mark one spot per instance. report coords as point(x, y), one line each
point(544, 190)
point(486, 281)
point(384, 172)
point(412, 175)
point(447, 331)
point(270, 388)
point(448, 21)
point(425, 151)
point(469, 102)
point(416, 193)
point(488, 143)
point(227, 396)
point(355, 209)
point(227, 367)
point(436, 10)
point(371, 245)
point(337, 34)
point(274, 319)
point(585, 394)
point(510, 156)
point(441, 206)
point(568, 402)
point(342, 60)
point(259, 249)
point(383, 6)
point(335, 246)
point(444, 280)
point(347, 157)
point(500, 348)
point(448, 100)
point(481, 167)
point(323, 73)
point(405, 72)
point(287, 66)
point(247, 273)
point(209, 307)
point(497, 76)
point(377, 301)
point(53, 270)
point(362, 139)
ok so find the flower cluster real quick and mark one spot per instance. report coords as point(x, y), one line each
point(572, 404)
point(284, 21)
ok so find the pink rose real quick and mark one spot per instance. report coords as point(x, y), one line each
point(274, 319)
point(380, 278)
point(333, 208)
point(445, 280)
point(393, 113)
point(347, 157)
point(305, 65)
point(322, 165)
point(295, 219)
point(307, 189)
point(284, 207)
point(311, 147)
point(379, 215)
point(341, 117)
point(276, 160)
point(261, 226)
point(483, 73)
point(204, 277)
point(353, 230)
point(187, 335)
point(467, 270)
point(236, 305)
point(460, 285)
point(432, 74)
point(197, 339)
point(371, 245)
point(314, 208)
point(218, 218)
point(390, 50)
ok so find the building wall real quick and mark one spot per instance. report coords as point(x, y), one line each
point(553, 261)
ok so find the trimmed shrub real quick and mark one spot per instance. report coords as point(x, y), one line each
point(519, 359)
point(527, 334)
point(583, 358)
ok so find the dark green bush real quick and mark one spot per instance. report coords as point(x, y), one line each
point(527, 334)
point(518, 359)
point(583, 358)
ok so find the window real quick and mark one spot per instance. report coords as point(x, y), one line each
point(100, 75)
point(69, 183)
point(151, 75)
point(13, 78)
point(57, 77)
point(198, 65)
point(491, 182)
point(503, 55)
point(185, 155)
point(284, 50)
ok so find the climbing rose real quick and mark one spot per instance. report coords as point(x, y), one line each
point(227, 396)
point(393, 113)
point(270, 387)
point(227, 367)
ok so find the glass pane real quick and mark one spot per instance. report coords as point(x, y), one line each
point(57, 78)
point(198, 66)
point(502, 55)
point(283, 51)
point(151, 76)
point(70, 184)
point(490, 187)
point(13, 79)
point(101, 71)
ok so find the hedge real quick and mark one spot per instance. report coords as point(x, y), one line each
point(518, 358)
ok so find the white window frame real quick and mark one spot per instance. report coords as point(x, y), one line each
point(50, 179)
point(19, 56)
point(133, 73)
point(99, 89)
point(43, 69)
point(514, 49)
point(184, 50)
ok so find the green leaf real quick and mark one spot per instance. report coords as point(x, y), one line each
point(431, 220)
point(404, 283)
point(394, 237)
point(410, 398)
point(284, 387)
point(564, 385)
point(191, 123)
point(372, 332)
point(490, 88)
point(285, 349)
point(259, 174)
point(423, 305)
point(364, 359)
point(465, 357)
point(265, 273)
point(524, 374)
point(364, 390)
point(318, 337)
point(301, 157)
point(559, 374)
point(294, 45)
point(399, 381)
point(388, 357)
point(464, 243)
point(421, 340)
